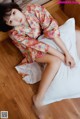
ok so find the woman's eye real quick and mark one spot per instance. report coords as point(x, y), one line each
point(14, 13)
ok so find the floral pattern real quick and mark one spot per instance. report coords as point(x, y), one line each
point(25, 37)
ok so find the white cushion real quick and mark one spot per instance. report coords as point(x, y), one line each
point(31, 73)
point(66, 83)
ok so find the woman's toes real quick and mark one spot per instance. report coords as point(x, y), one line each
point(38, 112)
point(38, 108)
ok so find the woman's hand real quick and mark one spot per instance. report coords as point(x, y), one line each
point(67, 58)
point(69, 61)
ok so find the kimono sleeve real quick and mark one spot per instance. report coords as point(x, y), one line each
point(47, 22)
point(28, 42)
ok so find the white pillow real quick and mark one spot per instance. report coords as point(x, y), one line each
point(66, 83)
point(31, 73)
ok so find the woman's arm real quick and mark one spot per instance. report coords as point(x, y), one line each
point(50, 29)
point(62, 46)
point(56, 53)
point(25, 42)
point(49, 25)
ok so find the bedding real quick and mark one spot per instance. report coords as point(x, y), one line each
point(66, 83)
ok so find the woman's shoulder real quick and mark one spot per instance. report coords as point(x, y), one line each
point(32, 6)
point(13, 31)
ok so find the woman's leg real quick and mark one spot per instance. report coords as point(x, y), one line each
point(53, 64)
point(78, 41)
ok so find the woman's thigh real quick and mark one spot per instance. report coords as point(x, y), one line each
point(78, 42)
point(49, 59)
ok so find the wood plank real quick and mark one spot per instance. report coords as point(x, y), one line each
point(16, 95)
point(52, 5)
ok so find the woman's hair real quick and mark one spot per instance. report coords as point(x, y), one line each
point(5, 8)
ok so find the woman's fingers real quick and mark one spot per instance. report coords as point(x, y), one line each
point(70, 61)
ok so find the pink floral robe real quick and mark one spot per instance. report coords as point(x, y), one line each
point(25, 37)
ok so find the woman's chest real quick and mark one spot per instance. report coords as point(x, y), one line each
point(31, 28)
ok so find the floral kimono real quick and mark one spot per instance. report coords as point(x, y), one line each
point(25, 37)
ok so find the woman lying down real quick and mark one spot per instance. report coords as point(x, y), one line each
point(25, 27)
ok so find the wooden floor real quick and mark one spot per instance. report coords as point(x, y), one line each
point(16, 95)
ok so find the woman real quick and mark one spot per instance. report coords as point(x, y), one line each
point(24, 28)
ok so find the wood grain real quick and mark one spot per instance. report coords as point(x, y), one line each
point(73, 10)
point(16, 95)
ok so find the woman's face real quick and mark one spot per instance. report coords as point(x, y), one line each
point(16, 18)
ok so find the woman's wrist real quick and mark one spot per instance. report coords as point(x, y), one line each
point(62, 57)
point(56, 53)
point(66, 54)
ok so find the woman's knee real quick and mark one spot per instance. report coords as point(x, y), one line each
point(55, 63)
point(54, 60)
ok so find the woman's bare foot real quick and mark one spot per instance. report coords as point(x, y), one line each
point(39, 110)
point(36, 101)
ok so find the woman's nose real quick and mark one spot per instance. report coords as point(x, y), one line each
point(12, 18)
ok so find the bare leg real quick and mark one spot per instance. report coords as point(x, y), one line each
point(78, 41)
point(53, 64)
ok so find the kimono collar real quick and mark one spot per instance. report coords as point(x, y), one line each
point(22, 28)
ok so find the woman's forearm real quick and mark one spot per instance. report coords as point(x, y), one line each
point(56, 53)
point(61, 44)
